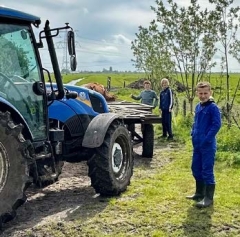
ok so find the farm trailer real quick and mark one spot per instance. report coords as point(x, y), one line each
point(133, 115)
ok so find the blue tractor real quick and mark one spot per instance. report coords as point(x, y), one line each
point(36, 134)
point(93, 134)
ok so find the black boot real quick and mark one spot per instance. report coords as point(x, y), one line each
point(208, 198)
point(200, 191)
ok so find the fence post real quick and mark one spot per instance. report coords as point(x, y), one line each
point(109, 83)
point(184, 108)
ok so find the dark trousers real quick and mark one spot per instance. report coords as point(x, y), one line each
point(167, 123)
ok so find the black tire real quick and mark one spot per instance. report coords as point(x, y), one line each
point(111, 175)
point(131, 129)
point(148, 140)
point(13, 168)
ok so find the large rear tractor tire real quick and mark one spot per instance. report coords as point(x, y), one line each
point(13, 168)
point(148, 140)
point(111, 166)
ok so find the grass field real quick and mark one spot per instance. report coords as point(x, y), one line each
point(154, 204)
point(117, 79)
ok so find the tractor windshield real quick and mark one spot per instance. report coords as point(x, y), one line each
point(19, 69)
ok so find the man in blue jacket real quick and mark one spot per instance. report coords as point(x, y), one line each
point(207, 122)
point(165, 108)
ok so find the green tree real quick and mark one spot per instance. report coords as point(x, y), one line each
point(227, 18)
point(151, 54)
point(191, 35)
point(188, 36)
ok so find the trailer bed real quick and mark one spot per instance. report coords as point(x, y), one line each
point(132, 112)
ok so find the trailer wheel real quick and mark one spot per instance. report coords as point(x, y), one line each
point(111, 166)
point(13, 168)
point(131, 128)
point(148, 140)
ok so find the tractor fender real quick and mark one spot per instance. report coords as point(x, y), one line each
point(96, 130)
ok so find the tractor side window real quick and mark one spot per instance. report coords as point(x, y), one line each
point(18, 71)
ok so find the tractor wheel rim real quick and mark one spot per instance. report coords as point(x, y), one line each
point(117, 157)
point(4, 164)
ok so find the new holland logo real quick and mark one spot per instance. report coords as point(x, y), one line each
point(82, 96)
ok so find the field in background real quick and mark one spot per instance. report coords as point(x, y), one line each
point(120, 81)
point(117, 79)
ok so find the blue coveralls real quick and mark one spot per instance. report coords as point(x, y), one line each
point(166, 103)
point(207, 122)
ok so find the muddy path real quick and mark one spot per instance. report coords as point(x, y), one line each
point(70, 198)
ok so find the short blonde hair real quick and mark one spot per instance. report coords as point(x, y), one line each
point(165, 80)
point(203, 84)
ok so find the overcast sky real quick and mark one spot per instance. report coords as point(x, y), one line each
point(104, 29)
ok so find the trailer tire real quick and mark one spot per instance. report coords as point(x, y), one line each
point(148, 140)
point(13, 168)
point(111, 166)
point(131, 129)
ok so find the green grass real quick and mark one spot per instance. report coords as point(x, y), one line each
point(117, 79)
point(155, 204)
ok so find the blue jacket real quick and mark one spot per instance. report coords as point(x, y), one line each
point(166, 99)
point(207, 122)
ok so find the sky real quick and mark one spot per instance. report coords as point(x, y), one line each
point(103, 29)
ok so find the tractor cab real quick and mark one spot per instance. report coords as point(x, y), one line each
point(22, 86)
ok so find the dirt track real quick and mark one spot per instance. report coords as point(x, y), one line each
point(65, 200)
point(54, 202)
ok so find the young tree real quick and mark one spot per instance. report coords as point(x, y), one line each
point(191, 36)
point(151, 54)
point(227, 25)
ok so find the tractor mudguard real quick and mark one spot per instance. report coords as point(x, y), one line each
point(96, 130)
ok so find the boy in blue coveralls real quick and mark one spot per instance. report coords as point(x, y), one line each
point(165, 108)
point(207, 122)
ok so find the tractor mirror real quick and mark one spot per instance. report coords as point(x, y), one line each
point(71, 43)
point(72, 50)
point(73, 63)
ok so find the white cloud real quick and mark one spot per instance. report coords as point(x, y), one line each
point(85, 10)
point(126, 16)
point(108, 49)
point(121, 39)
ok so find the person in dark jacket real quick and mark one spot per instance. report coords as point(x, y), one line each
point(147, 96)
point(165, 108)
point(207, 122)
